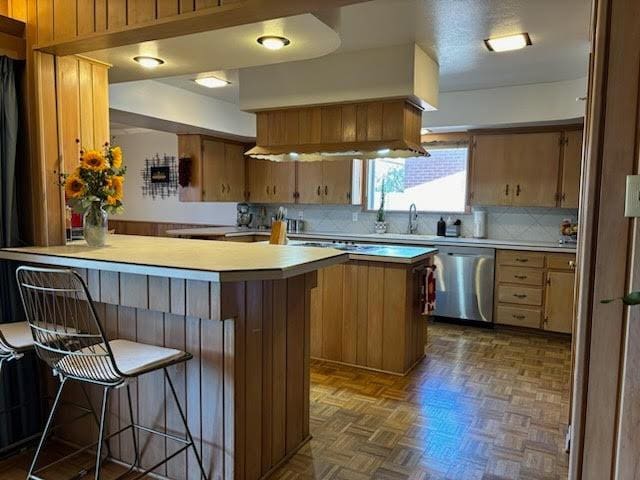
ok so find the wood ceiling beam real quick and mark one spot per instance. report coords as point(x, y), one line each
point(212, 18)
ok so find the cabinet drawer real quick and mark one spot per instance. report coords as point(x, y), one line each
point(560, 262)
point(520, 259)
point(520, 295)
point(521, 276)
point(521, 317)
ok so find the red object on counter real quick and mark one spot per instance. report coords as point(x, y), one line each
point(76, 220)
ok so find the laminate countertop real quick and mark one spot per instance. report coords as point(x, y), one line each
point(186, 259)
point(386, 238)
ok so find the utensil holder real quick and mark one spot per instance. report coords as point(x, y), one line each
point(278, 233)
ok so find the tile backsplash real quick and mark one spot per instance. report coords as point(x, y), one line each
point(503, 223)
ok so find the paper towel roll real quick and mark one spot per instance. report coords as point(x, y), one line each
point(479, 224)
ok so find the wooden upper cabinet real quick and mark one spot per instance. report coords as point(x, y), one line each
point(491, 171)
point(234, 172)
point(270, 182)
point(217, 169)
point(310, 182)
point(571, 169)
point(519, 169)
point(283, 182)
point(338, 180)
point(535, 159)
point(330, 182)
point(258, 180)
point(213, 171)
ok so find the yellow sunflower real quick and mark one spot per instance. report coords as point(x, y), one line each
point(117, 183)
point(74, 187)
point(94, 160)
point(111, 200)
point(116, 157)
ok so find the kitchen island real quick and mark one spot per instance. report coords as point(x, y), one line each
point(370, 311)
point(242, 310)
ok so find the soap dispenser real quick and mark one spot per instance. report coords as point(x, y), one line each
point(442, 227)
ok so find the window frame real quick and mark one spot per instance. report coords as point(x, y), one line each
point(441, 140)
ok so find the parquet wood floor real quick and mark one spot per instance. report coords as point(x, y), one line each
point(484, 404)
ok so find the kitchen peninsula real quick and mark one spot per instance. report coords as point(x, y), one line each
point(243, 311)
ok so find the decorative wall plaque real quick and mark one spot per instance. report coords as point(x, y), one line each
point(160, 177)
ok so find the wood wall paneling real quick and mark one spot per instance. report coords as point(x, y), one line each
point(68, 101)
point(86, 17)
point(167, 8)
point(310, 130)
point(117, 14)
point(140, 11)
point(65, 18)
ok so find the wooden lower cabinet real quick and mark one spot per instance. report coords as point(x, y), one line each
point(367, 314)
point(535, 290)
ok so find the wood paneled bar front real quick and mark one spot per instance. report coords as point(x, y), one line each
point(247, 324)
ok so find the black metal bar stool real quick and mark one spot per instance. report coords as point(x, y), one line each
point(15, 340)
point(69, 337)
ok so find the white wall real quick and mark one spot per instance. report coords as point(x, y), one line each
point(397, 71)
point(541, 102)
point(136, 148)
point(158, 100)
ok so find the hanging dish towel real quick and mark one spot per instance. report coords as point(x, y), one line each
point(429, 290)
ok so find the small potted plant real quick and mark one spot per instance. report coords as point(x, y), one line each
point(95, 189)
point(381, 226)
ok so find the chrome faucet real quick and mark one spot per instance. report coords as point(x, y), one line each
point(413, 218)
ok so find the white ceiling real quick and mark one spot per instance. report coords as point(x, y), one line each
point(451, 31)
point(227, 48)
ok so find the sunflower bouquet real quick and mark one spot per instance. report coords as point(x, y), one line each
point(95, 188)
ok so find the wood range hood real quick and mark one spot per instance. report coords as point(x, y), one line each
point(368, 129)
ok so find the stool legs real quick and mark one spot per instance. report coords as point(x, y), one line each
point(102, 424)
point(186, 425)
point(47, 428)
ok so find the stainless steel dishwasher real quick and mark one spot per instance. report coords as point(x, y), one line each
point(464, 283)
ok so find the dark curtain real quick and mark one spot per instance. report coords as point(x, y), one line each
point(20, 404)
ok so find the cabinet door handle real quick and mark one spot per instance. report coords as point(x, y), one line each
point(518, 317)
point(348, 195)
point(319, 192)
point(506, 190)
point(572, 264)
point(267, 189)
point(223, 188)
point(521, 277)
point(522, 260)
point(563, 197)
point(520, 295)
point(518, 190)
point(326, 190)
point(274, 189)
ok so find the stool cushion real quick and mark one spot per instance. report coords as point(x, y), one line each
point(131, 358)
point(18, 335)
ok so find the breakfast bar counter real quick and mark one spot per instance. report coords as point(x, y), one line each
point(242, 310)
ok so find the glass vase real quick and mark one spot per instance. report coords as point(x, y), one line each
point(96, 226)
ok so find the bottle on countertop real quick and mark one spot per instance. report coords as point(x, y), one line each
point(441, 228)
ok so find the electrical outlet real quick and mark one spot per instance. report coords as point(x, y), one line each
point(632, 201)
point(354, 216)
point(301, 215)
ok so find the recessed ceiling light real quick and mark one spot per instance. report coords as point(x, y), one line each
point(273, 42)
point(211, 82)
point(510, 42)
point(149, 62)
